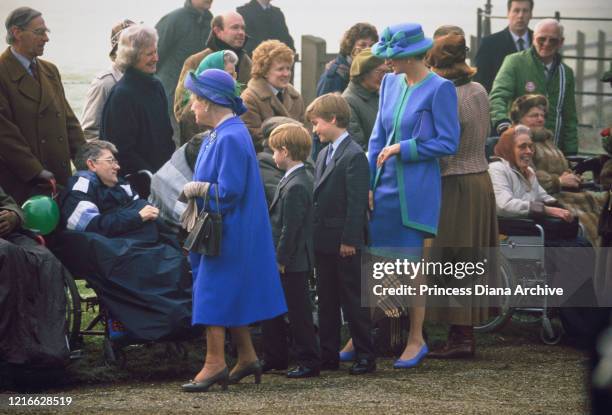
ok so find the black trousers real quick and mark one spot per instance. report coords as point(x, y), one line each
point(339, 285)
point(295, 285)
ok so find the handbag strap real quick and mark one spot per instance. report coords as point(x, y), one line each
point(206, 196)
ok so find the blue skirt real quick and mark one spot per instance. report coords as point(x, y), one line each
point(388, 235)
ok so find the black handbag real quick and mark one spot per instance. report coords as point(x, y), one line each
point(205, 237)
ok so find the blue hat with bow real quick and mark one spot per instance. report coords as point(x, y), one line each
point(216, 86)
point(401, 41)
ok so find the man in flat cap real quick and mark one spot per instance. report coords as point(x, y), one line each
point(39, 133)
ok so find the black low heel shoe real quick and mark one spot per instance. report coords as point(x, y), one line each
point(221, 378)
point(252, 369)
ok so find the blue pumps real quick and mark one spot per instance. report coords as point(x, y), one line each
point(409, 363)
point(347, 356)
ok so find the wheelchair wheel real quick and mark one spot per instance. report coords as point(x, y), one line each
point(505, 311)
point(73, 312)
point(549, 334)
point(113, 355)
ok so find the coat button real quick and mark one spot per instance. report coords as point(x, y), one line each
point(43, 141)
point(57, 114)
point(60, 139)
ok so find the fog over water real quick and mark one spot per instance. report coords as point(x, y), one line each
point(80, 29)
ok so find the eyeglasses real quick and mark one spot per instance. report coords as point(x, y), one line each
point(553, 41)
point(111, 160)
point(38, 32)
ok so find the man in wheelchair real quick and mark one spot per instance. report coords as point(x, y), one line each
point(113, 239)
point(32, 298)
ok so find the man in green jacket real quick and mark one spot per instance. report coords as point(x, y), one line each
point(539, 70)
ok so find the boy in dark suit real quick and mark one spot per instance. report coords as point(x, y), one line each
point(340, 229)
point(291, 216)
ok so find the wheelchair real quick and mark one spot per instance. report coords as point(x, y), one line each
point(82, 305)
point(522, 262)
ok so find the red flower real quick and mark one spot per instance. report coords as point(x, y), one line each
point(605, 132)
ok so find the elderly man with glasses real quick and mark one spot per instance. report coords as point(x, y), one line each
point(39, 133)
point(113, 238)
point(539, 70)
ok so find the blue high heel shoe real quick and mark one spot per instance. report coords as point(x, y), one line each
point(347, 356)
point(409, 363)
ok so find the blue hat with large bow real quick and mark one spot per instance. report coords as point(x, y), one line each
point(216, 86)
point(401, 41)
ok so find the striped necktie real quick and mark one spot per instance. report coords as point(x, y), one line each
point(330, 153)
point(34, 70)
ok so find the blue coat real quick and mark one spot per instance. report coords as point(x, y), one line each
point(407, 189)
point(335, 78)
point(242, 285)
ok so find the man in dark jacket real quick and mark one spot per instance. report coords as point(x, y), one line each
point(514, 38)
point(39, 133)
point(228, 33)
point(114, 238)
point(264, 21)
point(182, 33)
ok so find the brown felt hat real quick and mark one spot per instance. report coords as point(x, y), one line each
point(447, 57)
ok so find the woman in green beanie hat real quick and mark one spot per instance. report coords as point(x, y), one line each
point(226, 60)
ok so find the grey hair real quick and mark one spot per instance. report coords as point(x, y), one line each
point(90, 151)
point(229, 56)
point(546, 22)
point(521, 129)
point(131, 43)
point(20, 18)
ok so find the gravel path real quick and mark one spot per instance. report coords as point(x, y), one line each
point(516, 376)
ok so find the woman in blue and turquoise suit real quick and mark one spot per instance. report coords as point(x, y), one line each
point(241, 285)
point(417, 123)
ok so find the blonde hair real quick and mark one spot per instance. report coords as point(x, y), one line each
point(267, 53)
point(329, 106)
point(294, 138)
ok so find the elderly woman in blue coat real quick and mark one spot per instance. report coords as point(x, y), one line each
point(417, 123)
point(242, 284)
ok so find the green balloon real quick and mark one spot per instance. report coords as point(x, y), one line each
point(41, 214)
